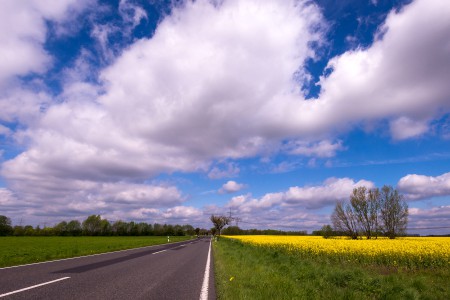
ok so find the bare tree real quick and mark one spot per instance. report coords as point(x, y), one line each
point(365, 204)
point(367, 209)
point(344, 219)
point(219, 222)
point(394, 212)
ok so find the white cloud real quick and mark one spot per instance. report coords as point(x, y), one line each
point(225, 170)
point(23, 33)
point(418, 187)
point(214, 83)
point(311, 197)
point(404, 128)
point(231, 187)
point(131, 13)
point(6, 197)
point(324, 148)
point(5, 131)
point(402, 76)
point(333, 189)
point(429, 220)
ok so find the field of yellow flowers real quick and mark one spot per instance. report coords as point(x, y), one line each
point(408, 252)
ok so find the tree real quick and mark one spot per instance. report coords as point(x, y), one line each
point(326, 231)
point(345, 220)
point(367, 208)
point(213, 230)
point(29, 230)
point(219, 222)
point(365, 205)
point(74, 228)
point(105, 227)
point(5, 226)
point(61, 228)
point(92, 225)
point(394, 212)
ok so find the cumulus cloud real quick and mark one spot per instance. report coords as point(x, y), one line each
point(173, 215)
point(214, 83)
point(311, 197)
point(418, 187)
point(429, 220)
point(404, 128)
point(231, 187)
point(400, 77)
point(23, 34)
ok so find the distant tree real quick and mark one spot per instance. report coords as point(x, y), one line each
point(29, 230)
point(394, 212)
point(5, 226)
point(197, 231)
point(61, 228)
point(37, 231)
point(74, 228)
point(219, 222)
point(18, 230)
point(92, 225)
point(47, 231)
point(143, 228)
point(168, 229)
point(326, 231)
point(188, 229)
point(213, 230)
point(158, 229)
point(119, 228)
point(105, 227)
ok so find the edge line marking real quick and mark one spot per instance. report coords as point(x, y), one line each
point(205, 285)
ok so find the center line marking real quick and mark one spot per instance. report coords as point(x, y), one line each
point(32, 287)
point(159, 252)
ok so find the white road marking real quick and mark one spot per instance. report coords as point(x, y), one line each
point(32, 287)
point(205, 285)
point(159, 252)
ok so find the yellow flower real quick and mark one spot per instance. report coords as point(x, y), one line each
point(232, 277)
point(412, 252)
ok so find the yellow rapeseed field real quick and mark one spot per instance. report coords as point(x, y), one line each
point(409, 252)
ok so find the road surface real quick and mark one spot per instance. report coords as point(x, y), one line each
point(170, 271)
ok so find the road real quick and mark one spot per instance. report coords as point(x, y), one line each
point(170, 271)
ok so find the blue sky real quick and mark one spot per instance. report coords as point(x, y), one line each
point(169, 111)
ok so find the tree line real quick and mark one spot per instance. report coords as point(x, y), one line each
point(94, 225)
point(220, 222)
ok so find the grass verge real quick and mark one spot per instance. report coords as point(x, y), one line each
point(24, 250)
point(249, 272)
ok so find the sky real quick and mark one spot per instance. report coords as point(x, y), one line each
point(170, 111)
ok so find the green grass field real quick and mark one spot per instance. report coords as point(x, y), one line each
point(251, 272)
point(25, 250)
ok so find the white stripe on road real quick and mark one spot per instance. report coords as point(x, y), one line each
point(205, 285)
point(32, 287)
point(159, 252)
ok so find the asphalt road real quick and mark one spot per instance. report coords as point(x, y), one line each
point(170, 271)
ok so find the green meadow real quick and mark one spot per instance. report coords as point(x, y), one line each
point(25, 250)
